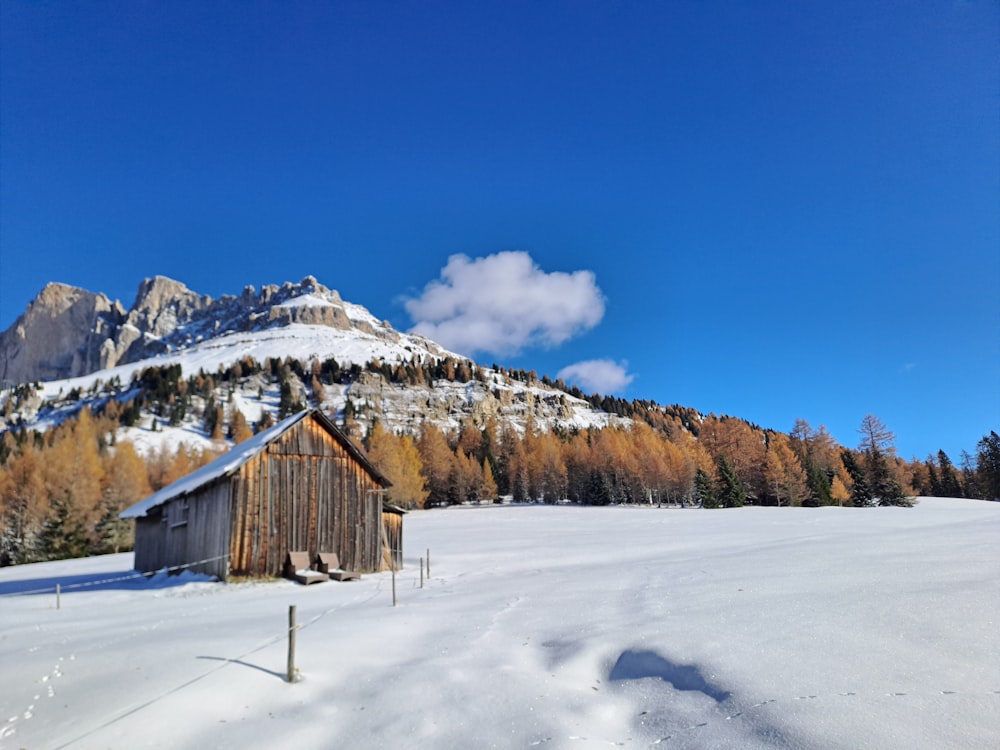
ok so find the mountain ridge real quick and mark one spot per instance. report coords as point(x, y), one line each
point(98, 343)
point(67, 332)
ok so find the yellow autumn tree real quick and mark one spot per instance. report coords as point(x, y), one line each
point(680, 469)
point(73, 468)
point(22, 507)
point(466, 479)
point(490, 491)
point(438, 463)
point(785, 479)
point(548, 467)
point(125, 483)
point(397, 457)
point(238, 428)
point(743, 447)
point(166, 466)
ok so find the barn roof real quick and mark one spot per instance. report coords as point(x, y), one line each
point(229, 462)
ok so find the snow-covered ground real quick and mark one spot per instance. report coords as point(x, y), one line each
point(557, 627)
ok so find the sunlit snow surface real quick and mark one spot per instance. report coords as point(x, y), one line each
point(552, 627)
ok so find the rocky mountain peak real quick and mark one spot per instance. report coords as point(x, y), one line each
point(162, 303)
point(59, 335)
point(57, 299)
point(68, 332)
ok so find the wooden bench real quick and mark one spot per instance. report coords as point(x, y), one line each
point(298, 569)
point(329, 564)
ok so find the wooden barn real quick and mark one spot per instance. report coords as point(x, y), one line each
point(301, 485)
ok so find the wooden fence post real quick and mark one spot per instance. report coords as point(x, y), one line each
point(394, 585)
point(58, 602)
point(291, 643)
point(421, 572)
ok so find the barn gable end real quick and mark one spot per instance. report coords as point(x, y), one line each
point(302, 485)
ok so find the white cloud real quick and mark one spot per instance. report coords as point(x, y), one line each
point(602, 376)
point(503, 303)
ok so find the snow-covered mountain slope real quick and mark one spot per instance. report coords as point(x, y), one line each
point(306, 323)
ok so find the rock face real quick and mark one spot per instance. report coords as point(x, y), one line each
point(62, 333)
point(161, 304)
point(67, 332)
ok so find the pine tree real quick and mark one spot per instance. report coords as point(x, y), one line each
point(112, 534)
point(988, 466)
point(288, 404)
point(970, 482)
point(820, 486)
point(599, 491)
point(63, 534)
point(211, 420)
point(933, 483)
point(217, 433)
point(884, 487)
point(877, 447)
point(731, 492)
point(948, 477)
point(861, 494)
point(704, 490)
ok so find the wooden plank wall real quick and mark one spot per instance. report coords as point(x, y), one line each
point(186, 530)
point(207, 530)
point(150, 542)
point(392, 524)
point(304, 492)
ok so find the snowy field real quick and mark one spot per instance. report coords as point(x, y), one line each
point(551, 627)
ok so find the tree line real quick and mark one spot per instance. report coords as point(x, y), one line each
point(61, 490)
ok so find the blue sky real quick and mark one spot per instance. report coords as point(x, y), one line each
point(770, 210)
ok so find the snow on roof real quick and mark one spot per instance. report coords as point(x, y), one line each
point(224, 465)
point(229, 462)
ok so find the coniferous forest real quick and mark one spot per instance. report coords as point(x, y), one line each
point(61, 489)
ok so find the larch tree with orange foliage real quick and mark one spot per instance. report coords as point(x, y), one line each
point(21, 506)
point(125, 483)
point(438, 464)
point(784, 476)
point(239, 430)
point(397, 457)
point(73, 473)
point(742, 446)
